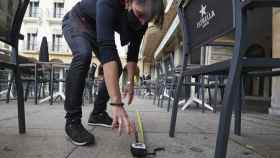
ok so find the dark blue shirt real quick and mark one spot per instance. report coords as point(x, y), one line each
point(107, 17)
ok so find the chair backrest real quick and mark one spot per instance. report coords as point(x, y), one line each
point(205, 21)
point(168, 63)
point(159, 69)
point(11, 16)
point(92, 71)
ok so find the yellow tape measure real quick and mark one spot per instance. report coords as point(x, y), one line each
point(140, 128)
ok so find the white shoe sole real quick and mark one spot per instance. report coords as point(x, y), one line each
point(77, 143)
point(99, 124)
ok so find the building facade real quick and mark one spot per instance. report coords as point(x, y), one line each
point(43, 18)
point(264, 91)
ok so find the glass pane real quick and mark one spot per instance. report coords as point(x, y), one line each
point(34, 9)
point(7, 12)
point(58, 10)
point(31, 41)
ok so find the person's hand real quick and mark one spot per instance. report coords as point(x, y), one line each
point(121, 120)
point(129, 91)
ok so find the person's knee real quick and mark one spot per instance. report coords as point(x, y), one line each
point(86, 57)
point(83, 56)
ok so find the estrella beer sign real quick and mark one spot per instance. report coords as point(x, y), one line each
point(208, 19)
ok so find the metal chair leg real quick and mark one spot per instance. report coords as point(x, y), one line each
point(209, 95)
point(175, 107)
point(26, 91)
point(52, 84)
point(238, 109)
point(216, 95)
point(156, 93)
point(170, 95)
point(43, 89)
point(20, 101)
point(10, 87)
point(36, 84)
point(159, 94)
point(162, 99)
point(202, 94)
point(233, 80)
point(39, 90)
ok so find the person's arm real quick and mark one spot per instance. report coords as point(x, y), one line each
point(111, 76)
point(132, 59)
point(105, 17)
point(131, 69)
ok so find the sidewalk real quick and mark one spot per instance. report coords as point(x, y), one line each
point(195, 134)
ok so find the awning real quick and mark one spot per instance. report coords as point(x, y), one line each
point(167, 36)
point(168, 5)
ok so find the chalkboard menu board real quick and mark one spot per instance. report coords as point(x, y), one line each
point(208, 19)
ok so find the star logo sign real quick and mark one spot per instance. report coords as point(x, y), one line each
point(203, 10)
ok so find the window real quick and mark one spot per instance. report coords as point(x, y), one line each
point(31, 41)
point(58, 10)
point(33, 9)
point(57, 43)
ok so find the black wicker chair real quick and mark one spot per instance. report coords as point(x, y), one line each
point(12, 13)
point(199, 29)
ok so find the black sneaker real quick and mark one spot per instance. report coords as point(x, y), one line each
point(100, 119)
point(78, 134)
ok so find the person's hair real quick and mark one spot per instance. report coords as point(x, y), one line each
point(156, 10)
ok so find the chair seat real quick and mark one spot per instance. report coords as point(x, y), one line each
point(223, 67)
point(5, 61)
point(248, 4)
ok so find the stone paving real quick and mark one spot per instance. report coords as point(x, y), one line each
point(195, 134)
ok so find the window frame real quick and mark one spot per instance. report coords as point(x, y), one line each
point(57, 42)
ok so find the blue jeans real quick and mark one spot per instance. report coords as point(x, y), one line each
point(81, 38)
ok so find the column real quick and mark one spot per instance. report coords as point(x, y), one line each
point(275, 98)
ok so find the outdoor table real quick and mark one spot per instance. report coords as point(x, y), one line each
point(60, 93)
point(35, 68)
point(5, 57)
point(6, 91)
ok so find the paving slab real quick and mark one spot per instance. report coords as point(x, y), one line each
point(156, 122)
point(193, 146)
point(266, 145)
point(195, 134)
point(43, 117)
point(108, 145)
point(34, 146)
